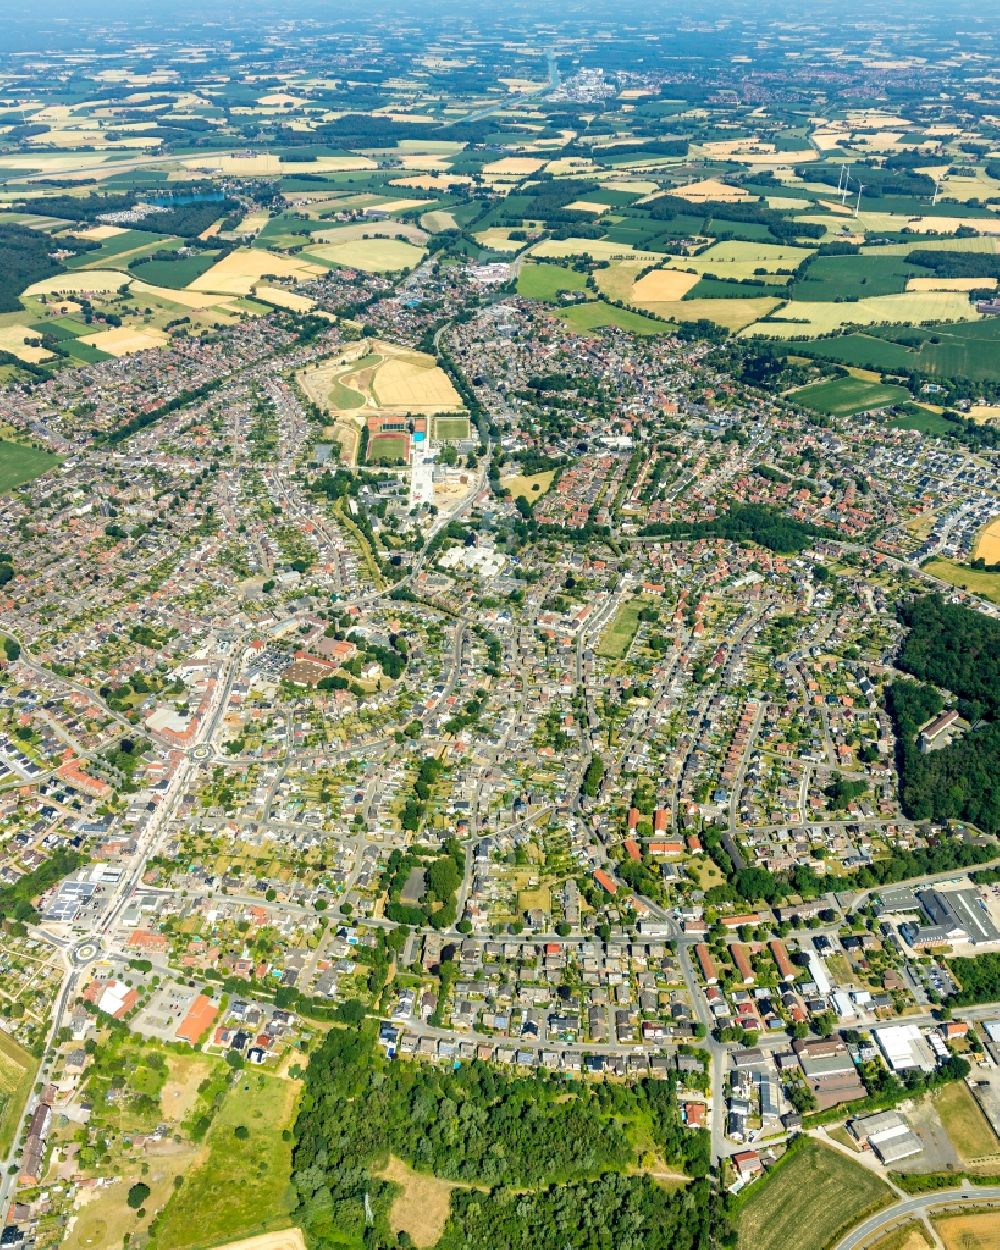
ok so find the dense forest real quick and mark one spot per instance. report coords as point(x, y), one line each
point(957, 650)
point(480, 1125)
point(26, 260)
point(756, 523)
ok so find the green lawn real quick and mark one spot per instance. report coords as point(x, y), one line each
point(844, 396)
point(243, 1187)
point(17, 1072)
point(924, 420)
point(617, 638)
point(544, 281)
point(596, 315)
point(808, 1201)
point(20, 463)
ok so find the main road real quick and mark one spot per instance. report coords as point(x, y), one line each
point(918, 1208)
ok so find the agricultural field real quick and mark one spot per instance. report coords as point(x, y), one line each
point(20, 463)
point(979, 581)
point(17, 1073)
point(596, 315)
point(843, 397)
point(813, 318)
point(369, 255)
point(988, 543)
point(808, 1200)
point(544, 281)
point(973, 1231)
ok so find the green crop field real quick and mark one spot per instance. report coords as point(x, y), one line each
point(809, 1200)
point(17, 1071)
point(854, 277)
point(844, 396)
point(175, 273)
point(242, 1188)
point(596, 315)
point(20, 464)
point(116, 246)
point(544, 282)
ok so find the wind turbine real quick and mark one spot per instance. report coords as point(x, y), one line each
point(857, 207)
point(846, 187)
point(937, 188)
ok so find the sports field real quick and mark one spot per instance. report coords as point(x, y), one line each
point(808, 1200)
point(448, 428)
point(20, 463)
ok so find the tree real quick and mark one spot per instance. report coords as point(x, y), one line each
point(137, 1195)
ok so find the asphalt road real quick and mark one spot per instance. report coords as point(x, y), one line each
point(917, 1208)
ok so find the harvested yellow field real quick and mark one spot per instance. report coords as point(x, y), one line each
point(599, 249)
point(287, 1239)
point(584, 206)
point(284, 299)
point(979, 1231)
point(437, 220)
point(987, 413)
point(663, 285)
point(98, 233)
point(85, 281)
point(732, 314)
point(513, 167)
point(370, 255)
point(252, 223)
point(381, 229)
point(988, 543)
point(432, 182)
point(22, 343)
point(124, 340)
point(399, 206)
point(912, 307)
point(423, 160)
point(951, 284)
point(415, 382)
point(185, 297)
point(711, 189)
point(421, 1208)
point(498, 239)
point(239, 271)
point(522, 86)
